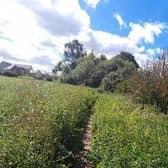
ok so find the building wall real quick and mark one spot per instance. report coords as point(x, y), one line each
point(16, 71)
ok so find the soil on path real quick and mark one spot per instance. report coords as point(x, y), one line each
point(82, 161)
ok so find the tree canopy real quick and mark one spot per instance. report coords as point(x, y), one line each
point(73, 52)
point(88, 69)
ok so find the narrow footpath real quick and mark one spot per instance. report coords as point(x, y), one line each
point(82, 161)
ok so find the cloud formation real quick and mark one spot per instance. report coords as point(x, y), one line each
point(7, 56)
point(146, 32)
point(93, 3)
point(120, 20)
point(35, 31)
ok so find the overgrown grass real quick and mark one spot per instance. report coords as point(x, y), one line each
point(41, 123)
point(126, 136)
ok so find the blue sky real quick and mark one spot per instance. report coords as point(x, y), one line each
point(137, 11)
point(35, 31)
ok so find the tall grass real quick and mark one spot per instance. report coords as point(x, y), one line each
point(125, 136)
point(41, 123)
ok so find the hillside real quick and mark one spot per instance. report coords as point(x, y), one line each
point(43, 124)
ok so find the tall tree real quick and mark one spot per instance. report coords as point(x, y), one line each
point(73, 52)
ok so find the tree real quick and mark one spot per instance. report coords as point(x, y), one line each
point(98, 73)
point(79, 68)
point(103, 57)
point(149, 85)
point(58, 67)
point(128, 57)
point(73, 52)
point(80, 74)
point(110, 81)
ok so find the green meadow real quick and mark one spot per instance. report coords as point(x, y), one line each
point(127, 136)
point(42, 125)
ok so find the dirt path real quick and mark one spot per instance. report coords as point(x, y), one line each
point(82, 161)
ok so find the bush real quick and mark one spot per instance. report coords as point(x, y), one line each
point(95, 72)
point(149, 86)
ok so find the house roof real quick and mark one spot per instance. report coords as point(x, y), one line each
point(28, 67)
point(8, 66)
point(4, 64)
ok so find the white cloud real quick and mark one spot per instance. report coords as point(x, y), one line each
point(93, 3)
point(58, 17)
point(120, 20)
point(111, 44)
point(153, 52)
point(35, 31)
point(30, 25)
point(146, 32)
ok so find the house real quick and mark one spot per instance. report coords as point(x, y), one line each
point(4, 65)
point(14, 69)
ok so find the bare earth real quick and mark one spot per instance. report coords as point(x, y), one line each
point(87, 142)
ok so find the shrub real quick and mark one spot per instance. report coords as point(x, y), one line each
point(149, 86)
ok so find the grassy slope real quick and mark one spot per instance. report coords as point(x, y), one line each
point(125, 136)
point(41, 123)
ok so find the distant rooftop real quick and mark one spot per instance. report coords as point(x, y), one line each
point(8, 65)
